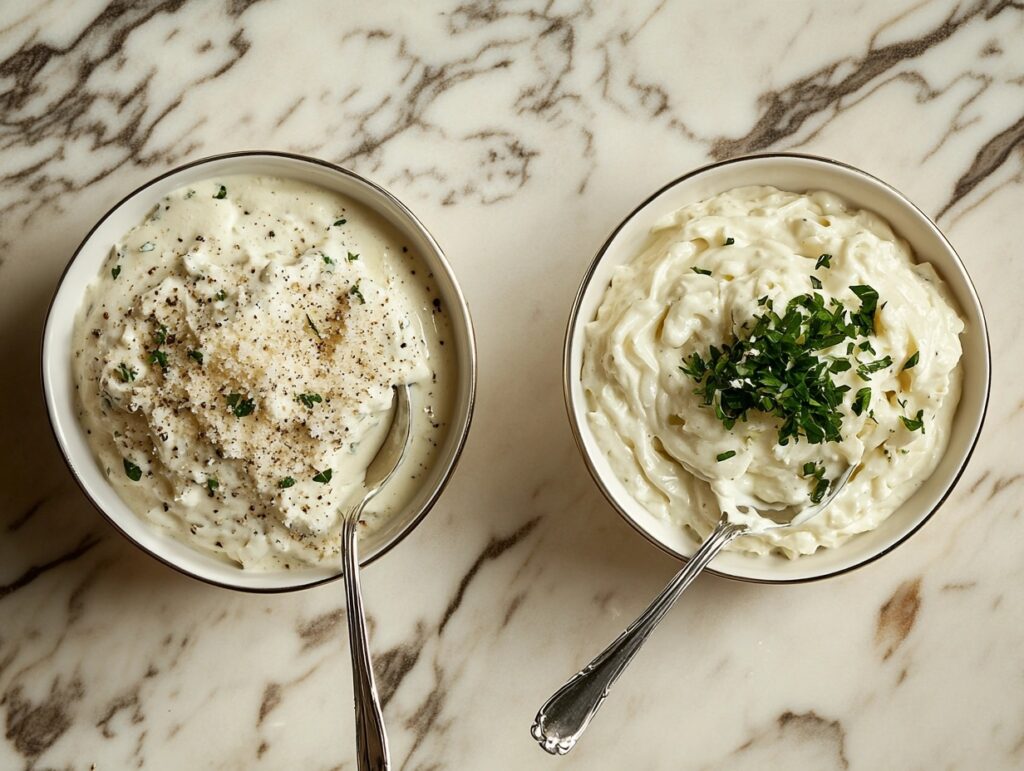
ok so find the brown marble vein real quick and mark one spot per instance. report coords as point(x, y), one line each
point(494, 549)
point(897, 617)
point(39, 111)
point(992, 155)
point(784, 111)
point(798, 740)
point(33, 728)
point(34, 572)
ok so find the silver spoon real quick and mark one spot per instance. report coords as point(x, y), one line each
point(371, 739)
point(566, 715)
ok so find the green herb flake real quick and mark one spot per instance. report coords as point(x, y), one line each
point(197, 355)
point(355, 292)
point(701, 271)
point(912, 361)
point(126, 373)
point(160, 336)
point(312, 326)
point(725, 455)
point(352, 257)
point(221, 296)
point(339, 222)
point(239, 406)
point(285, 483)
point(730, 241)
point(158, 357)
point(221, 193)
point(133, 472)
point(115, 271)
point(916, 423)
point(327, 260)
point(865, 371)
point(816, 471)
point(310, 399)
point(323, 477)
point(815, 282)
point(861, 401)
point(820, 488)
point(212, 484)
point(824, 261)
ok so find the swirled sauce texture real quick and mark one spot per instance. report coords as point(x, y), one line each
point(664, 444)
point(235, 361)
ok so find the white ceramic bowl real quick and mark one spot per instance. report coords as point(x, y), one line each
point(58, 383)
point(796, 173)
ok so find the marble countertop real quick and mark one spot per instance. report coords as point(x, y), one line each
point(520, 133)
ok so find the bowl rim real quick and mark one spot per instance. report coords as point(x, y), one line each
point(471, 364)
point(567, 373)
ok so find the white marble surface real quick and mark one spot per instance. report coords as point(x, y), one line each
point(521, 133)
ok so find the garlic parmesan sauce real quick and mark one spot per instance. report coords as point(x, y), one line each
point(234, 365)
point(748, 244)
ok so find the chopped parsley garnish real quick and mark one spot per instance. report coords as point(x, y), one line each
point(312, 325)
point(221, 295)
point(815, 282)
point(134, 472)
point(147, 247)
point(286, 483)
point(158, 357)
point(776, 369)
point(338, 223)
point(824, 261)
point(127, 374)
point(912, 361)
point(352, 257)
point(702, 271)
point(115, 271)
point(725, 455)
point(867, 370)
point(197, 355)
point(354, 291)
point(160, 335)
point(916, 423)
point(212, 484)
point(867, 347)
point(239, 406)
point(327, 260)
point(221, 193)
point(817, 472)
point(730, 241)
point(310, 399)
point(861, 401)
point(323, 477)
point(865, 317)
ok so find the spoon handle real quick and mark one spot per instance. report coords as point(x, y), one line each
point(565, 716)
point(371, 739)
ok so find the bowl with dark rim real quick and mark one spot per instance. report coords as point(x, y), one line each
point(58, 382)
point(796, 173)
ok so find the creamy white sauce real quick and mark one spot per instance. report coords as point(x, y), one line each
point(663, 443)
point(239, 349)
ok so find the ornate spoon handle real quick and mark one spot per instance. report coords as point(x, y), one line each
point(566, 715)
point(371, 739)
